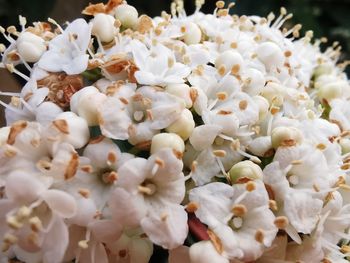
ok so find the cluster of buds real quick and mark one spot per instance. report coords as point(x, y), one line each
point(218, 137)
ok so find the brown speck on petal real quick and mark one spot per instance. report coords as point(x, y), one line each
point(193, 94)
point(16, 128)
point(273, 205)
point(122, 253)
point(84, 192)
point(159, 162)
point(259, 236)
point(192, 207)
point(112, 157)
point(178, 154)
point(61, 125)
point(72, 167)
point(281, 222)
point(121, 63)
point(216, 241)
point(239, 210)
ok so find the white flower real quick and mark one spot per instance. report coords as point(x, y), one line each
point(157, 65)
point(238, 216)
point(67, 51)
point(148, 194)
point(139, 115)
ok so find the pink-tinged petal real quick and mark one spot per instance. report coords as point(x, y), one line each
point(114, 119)
point(179, 254)
point(126, 209)
point(23, 187)
point(106, 231)
point(56, 242)
point(166, 227)
point(140, 250)
point(99, 254)
point(60, 202)
point(25, 256)
point(203, 136)
point(86, 212)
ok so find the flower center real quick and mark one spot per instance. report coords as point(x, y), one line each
point(236, 222)
point(147, 188)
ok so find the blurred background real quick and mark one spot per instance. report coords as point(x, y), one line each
point(328, 18)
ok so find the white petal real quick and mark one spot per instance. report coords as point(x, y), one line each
point(141, 250)
point(203, 136)
point(205, 252)
point(126, 209)
point(167, 227)
point(60, 202)
point(302, 211)
point(56, 242)
point(23, 187)
point(215, 201)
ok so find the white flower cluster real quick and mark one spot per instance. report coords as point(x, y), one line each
point(133, 131)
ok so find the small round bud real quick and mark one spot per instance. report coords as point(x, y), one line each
point(263, 105)
point(270, 54)
point(229, 60)
point(260, 146)
point(182, 91)
point(206, 252)
point(74, 101)
point(324, 69)
point(183, 126)
point(254, 81)
point(330, 91)
point(344, 143)
point(167, 140)
point(245, 170)
point(286, 136)
point(127, 15)
point(31, 47)
point(274, 93)
point(87, 107)
point(193, 34)
point(4, 133)
point(103, 27)
point(73, 129)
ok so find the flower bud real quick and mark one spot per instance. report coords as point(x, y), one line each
point(270, 54)
point(4, 133)
point(103, 27)
point(73, 129)
point(260, 146)
point(167, 140)
point(183, 126)
point(245, 170)
point(74, 101)
point(324, 69)
point(31, 47)
point(285, 136)
point(345, 145)
point(263, 105)
point(227, 60)
point(254, 81)
point(205, 252)
point(193, 34)
point(88, 105)
point(182, 91)
point(330, 91)
point(127, 15)
point(274, 93)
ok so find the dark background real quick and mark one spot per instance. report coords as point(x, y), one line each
point(330, 18)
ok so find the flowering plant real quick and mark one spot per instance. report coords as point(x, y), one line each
point(216, 137)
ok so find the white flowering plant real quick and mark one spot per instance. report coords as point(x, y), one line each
point(216, 137)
